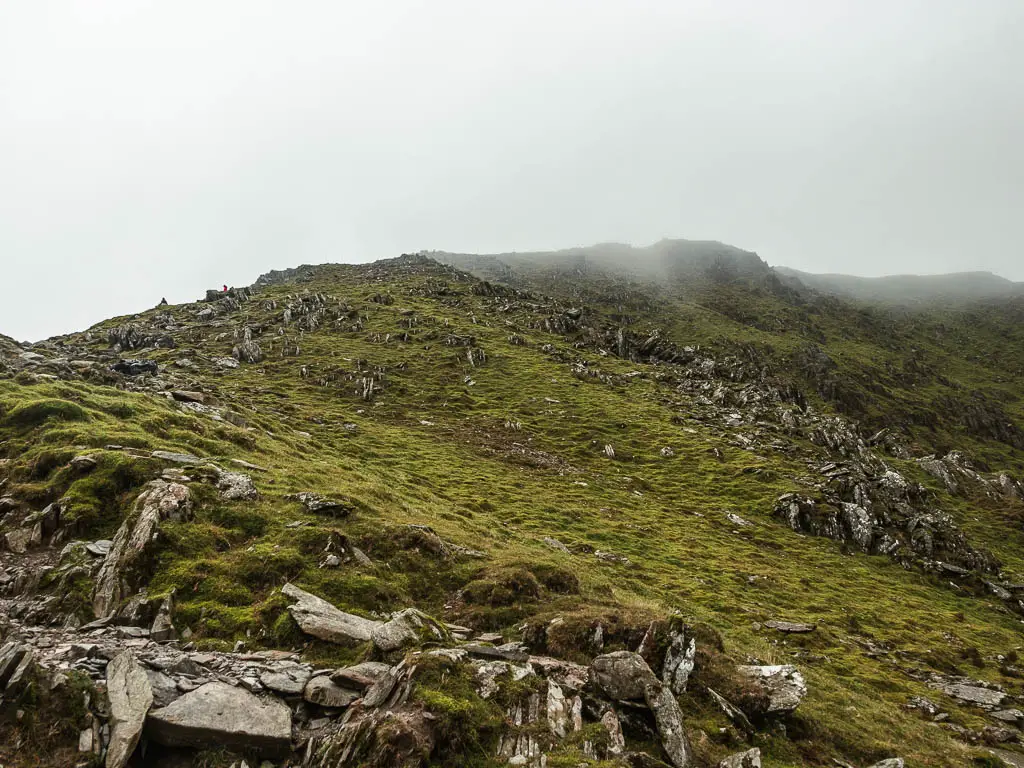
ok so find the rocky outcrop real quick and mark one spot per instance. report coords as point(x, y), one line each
point(624, 676)
point(130, 696)
point(223, 715)
point(118, 576)
point(320, 619)
point(782, 686)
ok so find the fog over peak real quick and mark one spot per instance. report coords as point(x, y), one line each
point(152, 150)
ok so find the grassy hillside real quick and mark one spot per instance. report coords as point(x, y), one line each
point(566, 466)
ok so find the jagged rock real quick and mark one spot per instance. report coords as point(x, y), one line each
point(572, 677)
point(736, 520)
point(217, 715)
point(19, 540)
point(99, 548)
point(322, 620)
point(783, 685)
point(236, 485)
point(375, 739)
point(130, 696)
point(135, 367)
point(406, 628)
point(486, 674)
point(749, 759)
point(669, 719)
point(162, 628)
point(892, 762)
point(165, 689)
point(115, 581)
point(731, 711)
point(289, 681)
point(360, 676)
point(12, 656)
point(326, 693)
point(558, 710)
point(679, 662)
point(616, 741)
point(622, 675)
point(317, 504)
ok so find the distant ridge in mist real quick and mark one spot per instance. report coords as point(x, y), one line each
point(957, 286)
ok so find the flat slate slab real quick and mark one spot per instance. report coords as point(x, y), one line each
point(319, 618)
point(220, 715)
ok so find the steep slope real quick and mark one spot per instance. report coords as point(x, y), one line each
point(574, 461)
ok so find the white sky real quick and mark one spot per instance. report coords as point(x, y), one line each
point(154, 149)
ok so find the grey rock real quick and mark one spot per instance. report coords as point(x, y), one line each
point(83, 463)
point(1009, 715)
point(749, 759)
point(558, 710)
point(326, 693)
point(407, 628)
point(162, 629)
point(733, 712)
point(165, 689)
point(99, 548)
point(236, 486)
point(783, 684)
point(177, 458)
point(679, 662)
point(131, 696)
point(669, 719)
point(288, 682)
point(570, 676)
point(616, 741)
point(892, 762)
point(508, 652)
point(360, 676)
point(790, 627)
point(322, 620)
point(221, 715)
point(974, 694)
point(115, 581)
point(622, 675)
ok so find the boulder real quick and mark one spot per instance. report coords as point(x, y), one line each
point(326, 693)
point(236, 486)
point(749, 759)
point(116, 579)
point(320, 619)
point(409, 627)
point(782, 684)
point(217, 715)
point(622, 675)
point(130, 695)
point(892, 762)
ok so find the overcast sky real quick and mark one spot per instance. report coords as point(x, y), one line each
point(154, 149)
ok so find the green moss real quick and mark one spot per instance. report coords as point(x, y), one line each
point(35, 413)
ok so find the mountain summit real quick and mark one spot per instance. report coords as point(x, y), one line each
point(607, 506)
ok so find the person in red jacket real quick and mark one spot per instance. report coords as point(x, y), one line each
point(224, 289)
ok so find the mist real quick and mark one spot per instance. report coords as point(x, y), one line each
point(151, 150)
